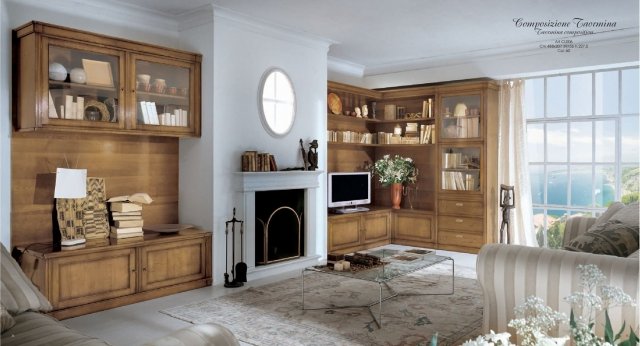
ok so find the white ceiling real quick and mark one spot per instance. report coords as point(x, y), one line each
point(395, 35)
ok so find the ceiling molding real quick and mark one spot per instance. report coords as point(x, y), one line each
point(530, 48)
point(114, 11)
point(345, 67)
point(192, 19)
point(262, 27)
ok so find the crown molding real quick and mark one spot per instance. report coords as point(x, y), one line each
point(345, 67)
point(114, 11)
point(272, 30)
point(198, 17)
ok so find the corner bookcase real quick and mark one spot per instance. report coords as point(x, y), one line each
point(453, 205)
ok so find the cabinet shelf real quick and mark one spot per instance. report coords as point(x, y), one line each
point(343, 144)
point(349, 118)
point(57, 85)
point(157, 96)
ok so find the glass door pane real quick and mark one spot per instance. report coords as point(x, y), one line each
point(162, 94)
point(460, 168)
point(83, 86)
point(461, 117)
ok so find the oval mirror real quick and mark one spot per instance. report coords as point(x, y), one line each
point(277, 102)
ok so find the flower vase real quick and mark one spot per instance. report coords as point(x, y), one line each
point(396, 195)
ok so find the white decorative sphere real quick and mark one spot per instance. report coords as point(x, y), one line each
point(77, 75)
point(57, 71)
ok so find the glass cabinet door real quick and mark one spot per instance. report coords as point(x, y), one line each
point(460, 117)
point(163, 95)
point(83, 87)
point(460, 168)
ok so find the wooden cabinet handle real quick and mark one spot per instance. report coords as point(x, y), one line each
point(133, 270)
point(459, 220)
point(144, 269)
point(459, 204)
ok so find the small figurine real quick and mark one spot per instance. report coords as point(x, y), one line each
point(312, 158)
point(365, 111)
point(358, 112)
point(304, 155)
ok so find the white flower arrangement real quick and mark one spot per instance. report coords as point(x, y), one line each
point(395, 170)
point(534, 319)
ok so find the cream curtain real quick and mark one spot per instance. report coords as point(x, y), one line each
point(513, 168)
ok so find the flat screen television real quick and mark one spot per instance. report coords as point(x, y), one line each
point(347, 191)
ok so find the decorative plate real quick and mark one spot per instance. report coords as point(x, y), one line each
point(104, 112)
point(335, 105)
point(166, 228)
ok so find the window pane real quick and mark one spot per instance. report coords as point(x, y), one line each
point(630, 141)
point(536, 175)
point(557, 142)
point(557, 184)
point(581, 140)
point(557, 219)
point(557, 96)
point(630, 91)
point(581, 92)
point(535, 142)
point(604, 185)
point(605, 141)
point(581, 186)
point(269, 90)
point(534, 98)
point(607, 92)
point(630, 183)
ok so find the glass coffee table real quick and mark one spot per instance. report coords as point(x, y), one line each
point(395, 264)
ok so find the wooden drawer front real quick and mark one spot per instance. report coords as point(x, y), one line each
point(173, 263)
point(376, 227)
point(343, 233)
point(465, 224)
point(88, 278)
point(413, 227)
point(460, 239)
point(462, 208)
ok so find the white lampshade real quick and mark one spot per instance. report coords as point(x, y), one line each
point(70, 183)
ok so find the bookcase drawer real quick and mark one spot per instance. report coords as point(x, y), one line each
point(465, 224)
point(460, 239)
point(463, 208)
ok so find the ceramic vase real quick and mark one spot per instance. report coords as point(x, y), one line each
point(396, 195)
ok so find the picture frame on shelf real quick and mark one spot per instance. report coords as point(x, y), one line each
point(98, 73)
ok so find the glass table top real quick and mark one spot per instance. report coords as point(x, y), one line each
point(394, 263)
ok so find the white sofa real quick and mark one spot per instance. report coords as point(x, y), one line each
point(509, 274)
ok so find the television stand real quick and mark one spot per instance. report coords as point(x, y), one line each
point(346, 210)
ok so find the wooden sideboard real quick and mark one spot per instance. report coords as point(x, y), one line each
point(113, 272)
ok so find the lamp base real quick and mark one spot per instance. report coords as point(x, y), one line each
point(71, 242)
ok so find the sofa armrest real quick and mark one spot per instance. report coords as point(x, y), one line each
point(576, 225)
point(200, 334)
point(508, 274)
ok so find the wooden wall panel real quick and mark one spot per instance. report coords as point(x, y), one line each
point(129, 164)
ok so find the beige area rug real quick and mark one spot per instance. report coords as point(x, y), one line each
point(273, 315)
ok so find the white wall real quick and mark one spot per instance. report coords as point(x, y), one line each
point(243, 51)
point(5, 128)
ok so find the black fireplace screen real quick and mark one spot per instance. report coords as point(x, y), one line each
point(279, 225)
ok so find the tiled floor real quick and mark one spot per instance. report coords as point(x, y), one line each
point(142, 322)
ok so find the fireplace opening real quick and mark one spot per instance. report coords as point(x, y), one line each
point(279, 225)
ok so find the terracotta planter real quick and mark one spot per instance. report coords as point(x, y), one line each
point(396, 195)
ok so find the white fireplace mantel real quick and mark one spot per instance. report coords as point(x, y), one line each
point(247, 184)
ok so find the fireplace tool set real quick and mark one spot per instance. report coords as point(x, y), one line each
point(239, 275)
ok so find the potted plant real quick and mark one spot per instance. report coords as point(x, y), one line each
point(395, 171)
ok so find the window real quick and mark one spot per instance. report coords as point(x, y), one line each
point(583, 146)
point(277, 102)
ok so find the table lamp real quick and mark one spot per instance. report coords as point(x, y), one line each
point(70, 191)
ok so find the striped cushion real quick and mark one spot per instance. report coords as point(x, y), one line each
point(34, 328)
point(17, 292)
point(6, 321)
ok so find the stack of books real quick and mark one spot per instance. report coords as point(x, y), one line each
point(253, 161)
point(126, 215)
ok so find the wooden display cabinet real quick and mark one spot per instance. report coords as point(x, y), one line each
point(72, 80)
point(457, 165)
point(108, 273)
point(353, 232)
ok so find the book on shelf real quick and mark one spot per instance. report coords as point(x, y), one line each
point(143, 112)
point(253, 161)
point(128, 223)
point(125, 206)
point(125, 230)
point(138, 197)
point(125, 218)
point(127, 235)
point(126, 213)
point(52, 108)
point(389, 112)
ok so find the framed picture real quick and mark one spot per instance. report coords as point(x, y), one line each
point(98, 73)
